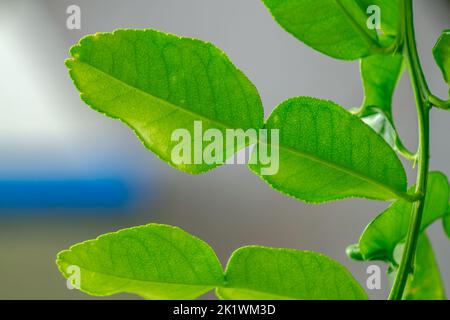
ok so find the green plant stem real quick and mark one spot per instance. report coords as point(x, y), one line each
point(438, 103)
point(404, 151)
point(421, 92)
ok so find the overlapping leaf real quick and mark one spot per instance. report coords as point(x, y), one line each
point(426, 284)
point(381, 236)
point(442, 54)
point(164, 262)
point(158, 83)
point(380, 75)
point(446, 222)
point(338, 28)
point(273, 274)
point(326, 153)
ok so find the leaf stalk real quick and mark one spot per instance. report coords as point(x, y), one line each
point(439, 103)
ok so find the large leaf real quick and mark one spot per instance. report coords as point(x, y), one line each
point(337, 28)
point(153, 261)
point(272, 274)
point(157, 83)
point(426, 284)
point(442, 54)
point(164, 262)
point(390, 14)
point(380, 75)
point(326, 153)
point(381, 236)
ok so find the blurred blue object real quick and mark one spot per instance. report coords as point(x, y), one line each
point(105, 193)
point(56, 153)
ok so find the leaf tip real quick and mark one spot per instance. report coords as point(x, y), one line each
point(353, 252)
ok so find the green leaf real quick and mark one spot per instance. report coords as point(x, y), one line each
point(381, 124)
point(326, 153)
point(164, 262)
point(380, 75)
point(337, 28)
point(426, 284)
point(152, 261)
point(381, 236)
point(390, 14)
point(441, 54)
point(446, 222)
point(280, 274)
point(157, 83)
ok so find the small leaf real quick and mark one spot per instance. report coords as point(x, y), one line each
point(326, 153)
point(152, 261)
point(441, 54)
point(380, 75)
point(157, 83)
point(280, 274)
point(354, 253)
point(337, 28)
point(426, 284)
point(381, 236)
point(446, 222)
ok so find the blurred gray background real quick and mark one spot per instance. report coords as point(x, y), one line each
point(46, 131)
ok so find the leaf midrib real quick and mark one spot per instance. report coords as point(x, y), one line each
point(344, 169)
point(214, 285)
point(220, 124)
point(367, 38)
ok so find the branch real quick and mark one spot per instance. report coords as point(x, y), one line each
point(439, 103)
